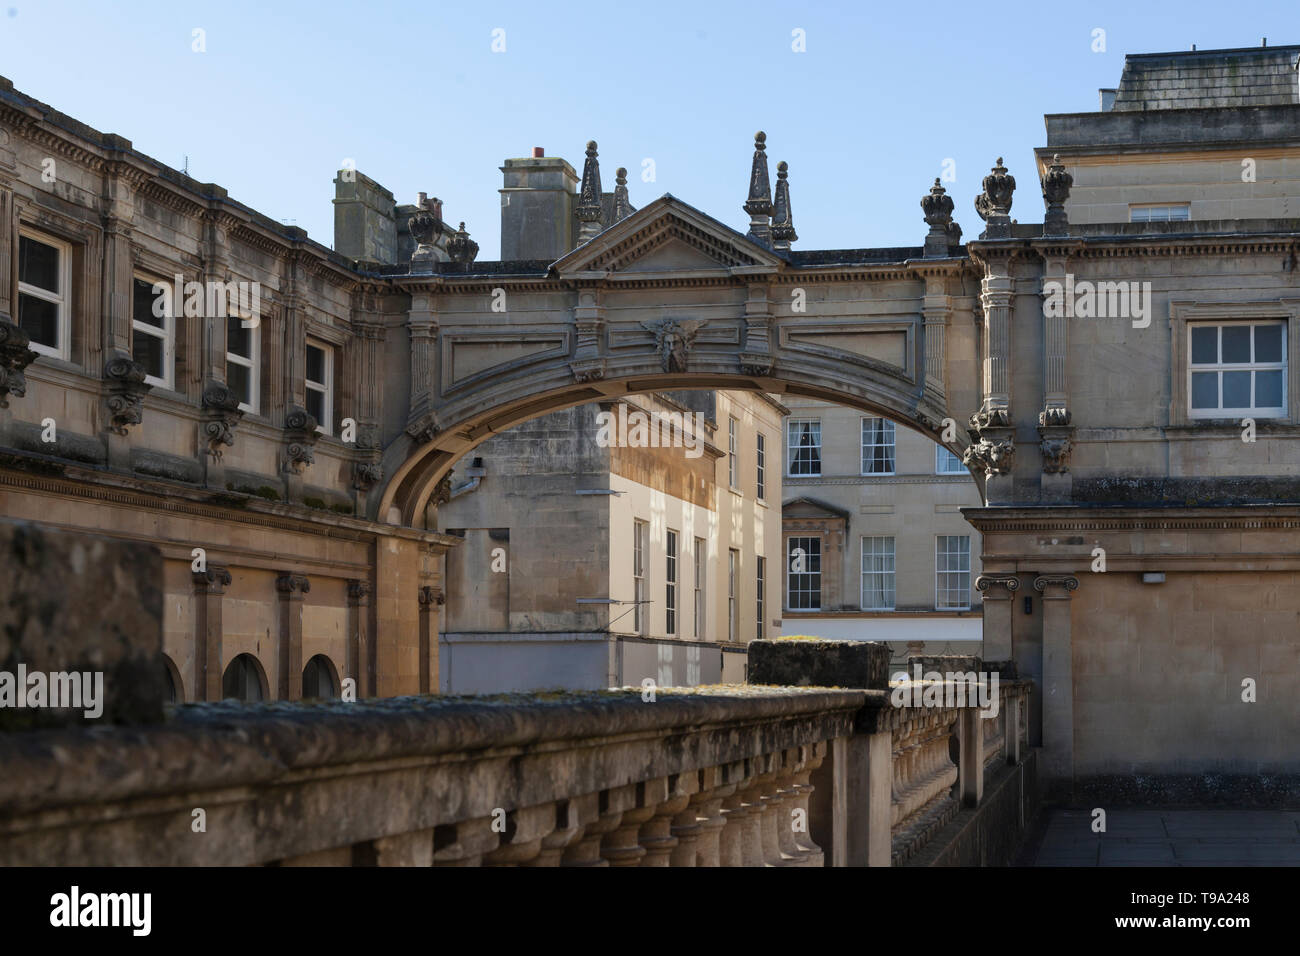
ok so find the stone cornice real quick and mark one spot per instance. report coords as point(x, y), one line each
point(96, 485)
point(1060, 520)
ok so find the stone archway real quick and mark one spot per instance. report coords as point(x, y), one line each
point(670, 298)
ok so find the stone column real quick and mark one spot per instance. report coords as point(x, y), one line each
point(522, 839)
point(688, 825)
point(1058, 676)
point(620, 847)
point(713, 791)
point(657, 834)
point(1011, 727)
point(431, 599)
point(611, 805)
point(571, 818)
point(291, 588)
point(422, 325)
point(209, 586)
point(998, 591)
point(464, 843)
point(970, 758)
point(361, 650)
point(811, 759)
point(936, 309)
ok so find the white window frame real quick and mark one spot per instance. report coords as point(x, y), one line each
point(939, 545)
point(760, 466)
point(892, 443)
point(325, 388)
point(760, 573)
point(733, 458)
point(793, 430)
point(790, 546)
point(253, 364)
point(1159, 212)
point(890, 585)
point(941, 456)
point(671, 620)
point(63, 299)
point(1273, 411)
point(700, 574)
point(640, 582)
point(733, 609)
point(167, 333)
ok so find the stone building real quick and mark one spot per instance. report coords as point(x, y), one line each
point(872, 515)
point(1128, 387)
point(589, 565)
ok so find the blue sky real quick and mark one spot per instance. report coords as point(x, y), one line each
point(414, 94)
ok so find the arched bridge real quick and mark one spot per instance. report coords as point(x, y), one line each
point(670, 298)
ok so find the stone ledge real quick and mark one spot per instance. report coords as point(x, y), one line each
point(217, 746)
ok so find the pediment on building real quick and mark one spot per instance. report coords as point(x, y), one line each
point(667, 236)
point(811, 508)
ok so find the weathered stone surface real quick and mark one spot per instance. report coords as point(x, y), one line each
point(860, 664)
point(74, 602)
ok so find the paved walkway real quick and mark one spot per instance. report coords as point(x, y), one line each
point(1172, 838)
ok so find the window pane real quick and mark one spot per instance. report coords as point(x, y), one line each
point(238, 378)
point(1268, 343)
point(1268, 389)
point(38, 264)
point(142, 305)
point(1236, 343)
point(316, 405)
point(148, 351)
point(1205, 390)
point(39, 319)
point(315, 364)
point(1205, 344)
point(238, 339)
point(1236, 388)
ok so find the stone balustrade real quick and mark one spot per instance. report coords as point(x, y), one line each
point(732, 775)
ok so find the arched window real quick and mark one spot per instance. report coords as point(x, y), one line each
point(173, 688)
point(243, 680)
point(318, 680)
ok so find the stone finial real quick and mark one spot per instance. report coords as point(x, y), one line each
point(1056, 190)
point(622, 205)
point(994, 203)
point(759, 203)
point(424, 227)
point(590, 206)
point(937, 206)
point(461, 247)
point(782, 218)
point(15, 356)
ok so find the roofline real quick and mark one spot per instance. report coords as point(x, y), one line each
point(1294, 47)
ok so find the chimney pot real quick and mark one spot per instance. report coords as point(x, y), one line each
point(538, 152)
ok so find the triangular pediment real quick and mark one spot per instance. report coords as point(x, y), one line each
point(667, 236)
point(812, 508)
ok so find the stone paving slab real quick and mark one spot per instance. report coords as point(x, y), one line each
point(1171, 838)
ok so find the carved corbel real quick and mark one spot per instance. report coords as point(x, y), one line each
point(991, 456)
point(221, 414)
point(126, 391)
point(1054, 432)
point(15, 356)
point(300, 437)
